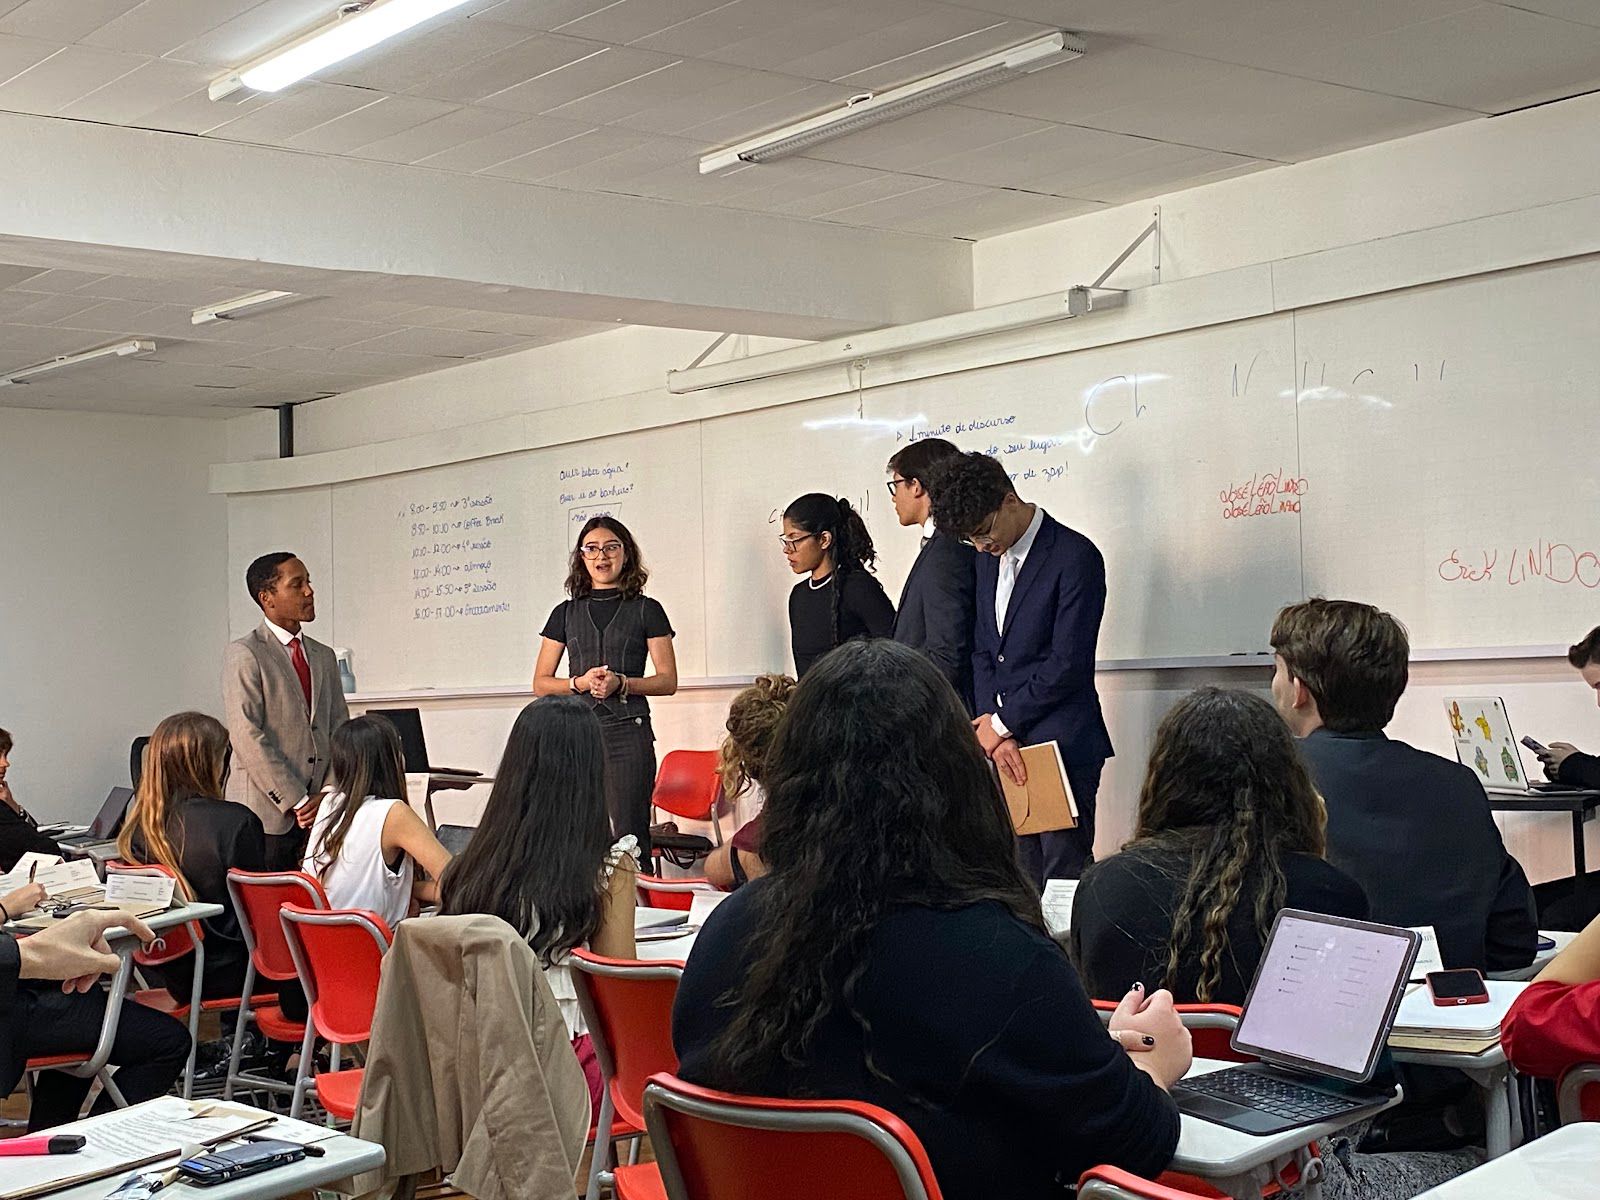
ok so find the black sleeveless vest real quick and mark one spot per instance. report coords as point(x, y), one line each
point(623, 647)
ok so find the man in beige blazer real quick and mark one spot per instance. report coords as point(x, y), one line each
point(282, 702)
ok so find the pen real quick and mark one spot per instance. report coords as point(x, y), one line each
point(33, 869)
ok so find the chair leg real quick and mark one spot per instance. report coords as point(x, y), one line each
point(112, 1089)
point(243, 1019)
point(303, 1073)
point(194, 1011)
point(601, 1158)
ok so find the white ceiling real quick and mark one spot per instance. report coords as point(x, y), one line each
point(622, 96)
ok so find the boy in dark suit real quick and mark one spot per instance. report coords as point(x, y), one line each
point(1041, 591)
point(936, 604)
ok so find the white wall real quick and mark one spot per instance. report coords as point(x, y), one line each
point(1522, 167)
point(112, 593)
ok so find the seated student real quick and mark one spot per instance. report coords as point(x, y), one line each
point(752, 721)
point(179, 820)
point(1412, 828)
point(543, 859)
point(366, 843)
point(19, 832)
point(50, 1004)
point(1563, 761)
point(1230, 831)
point(1555, 1023)
point(895, 953)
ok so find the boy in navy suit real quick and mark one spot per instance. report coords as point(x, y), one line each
point(1041, 591)
point(935, 610)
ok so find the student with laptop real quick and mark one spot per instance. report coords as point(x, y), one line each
point(1564, 762)
point(1412, 828)
point(544, 859)
point(1230, 831)
point(896, 953)
point(19, 832)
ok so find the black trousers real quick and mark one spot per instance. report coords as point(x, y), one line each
point(630, 777)
point(1064, 853)
point(286, 850)
point(149, 1052)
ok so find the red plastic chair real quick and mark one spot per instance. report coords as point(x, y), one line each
point(687, 786)
point(257, 898)
point(627, 1005)
point(714, 1145)
point(655, 892)
point(1210, 1028)
point(1113, 1183)
point(1578, 1093)
point(339, 955)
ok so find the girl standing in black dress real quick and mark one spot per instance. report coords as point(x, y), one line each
point(608, 629)
point(826, 540)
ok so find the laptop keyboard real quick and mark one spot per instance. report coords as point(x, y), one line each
point(1268, 1093)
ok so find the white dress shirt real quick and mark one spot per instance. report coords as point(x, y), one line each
point(1010, 568)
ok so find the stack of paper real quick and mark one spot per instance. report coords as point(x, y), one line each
point(1459, 1029)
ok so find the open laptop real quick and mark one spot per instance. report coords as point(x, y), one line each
point(1318, 1016)
point(408, 723)
point(106, 825)
point(1480, 729)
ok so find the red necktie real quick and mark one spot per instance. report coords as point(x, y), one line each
point(302, 668)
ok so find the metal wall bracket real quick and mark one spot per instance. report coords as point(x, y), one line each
point(1152, 230)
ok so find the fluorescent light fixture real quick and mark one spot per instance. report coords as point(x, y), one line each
point(876, 108)
point(238, 306)
point(117, 350)
point(899, 339)
point(358, 27)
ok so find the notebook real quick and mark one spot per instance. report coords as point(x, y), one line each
point(1045, 802)
point(1318, 1016)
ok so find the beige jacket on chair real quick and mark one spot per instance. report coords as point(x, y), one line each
point(470, 1068)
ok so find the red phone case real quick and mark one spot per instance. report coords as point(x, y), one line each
point(1455, 1001)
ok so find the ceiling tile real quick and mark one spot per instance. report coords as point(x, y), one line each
point(155, 85)
point(58, 21)
point(523, 60)
point(717, 93)
point(294, 112)
point(624, 21)
point(732, 126)
point(17, 54)
point(386, 117)
point(937, 28)
point(12, 275)
point(542, 14)
point(158, 26)
point(455, 128)
point(446, 343)
point(199, 113)
point(248, 33)
point(607, 67)
point(402, 63)
point(881, 186)
point(58, 80)
point(483, 153)
point(932, 58)
point(617, 172)
point(1585, 12)
point(588, 147)
point(911, 142)
point(113, 316)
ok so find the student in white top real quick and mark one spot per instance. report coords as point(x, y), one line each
point(366, 843)
point(543, 859)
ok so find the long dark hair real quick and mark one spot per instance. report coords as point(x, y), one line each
point(1227, 790)
point(877, 795)
point(365, 760)
point(850, 548)
point(537, 859)
point(187, 758)
point(633, 577)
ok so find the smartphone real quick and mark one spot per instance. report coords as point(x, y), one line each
point(1536, 747)
point(219, 1166)
point(1463, 986)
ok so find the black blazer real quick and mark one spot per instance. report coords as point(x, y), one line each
point(18, 835)
point(936, 610)
point(1042, 668)
point(1415, 830)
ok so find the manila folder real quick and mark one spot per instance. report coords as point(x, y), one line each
point(1045, 802)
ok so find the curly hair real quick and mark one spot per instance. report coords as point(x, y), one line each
point(1353, 659)
point(1585, 651)
point(634, 576)
point(965, 490)
point(877, 796)
point(752, 721)
point(1227, 791)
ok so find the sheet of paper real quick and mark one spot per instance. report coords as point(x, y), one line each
point(1057, 904)
point(57, 878)
point(1427, 955)
point(151, 891)
point(702, 905)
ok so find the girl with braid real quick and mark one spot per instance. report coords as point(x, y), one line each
point(839, 599)
point(1230, 830)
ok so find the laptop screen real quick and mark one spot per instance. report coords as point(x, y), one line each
point(1325, 994)
point(408, 723)
point(108, 821)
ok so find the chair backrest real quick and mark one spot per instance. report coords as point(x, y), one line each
point(714, 1145)
point(339, 953)
point(655, 892)
point(1210, 1028)
point(687, 784)
point(1578, 1093)
point(257, 897)
point(628, 1008)
point(173, 943)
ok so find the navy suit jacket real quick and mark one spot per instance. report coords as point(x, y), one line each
point(1042, 667)
point(936, 610)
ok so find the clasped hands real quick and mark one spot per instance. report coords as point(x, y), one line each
point(600, 682)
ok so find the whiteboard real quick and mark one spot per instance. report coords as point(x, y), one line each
point(1429, 450)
